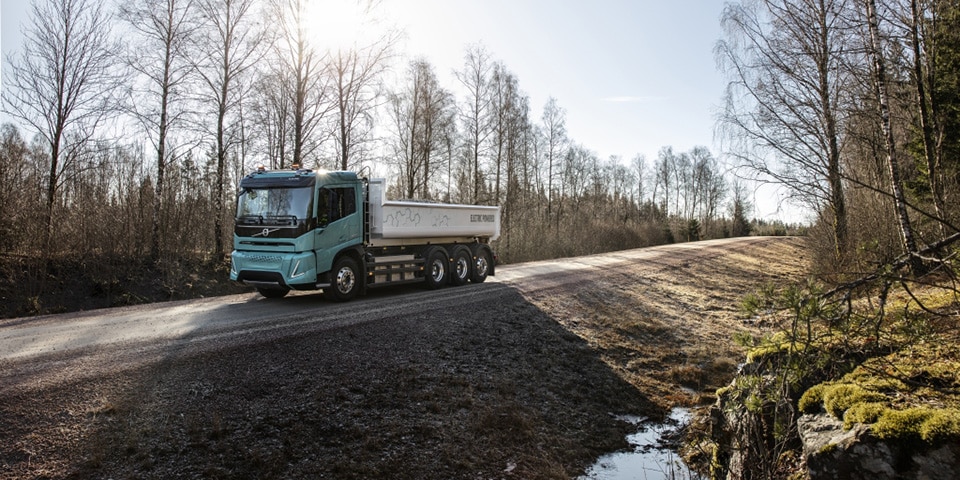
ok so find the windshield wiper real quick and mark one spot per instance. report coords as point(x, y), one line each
point(250, 219)
point(282, 219)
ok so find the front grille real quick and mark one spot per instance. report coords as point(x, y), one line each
point(267, 260)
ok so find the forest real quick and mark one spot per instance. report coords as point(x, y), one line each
point(134, 122)
point(852, 106)
point(128, 147)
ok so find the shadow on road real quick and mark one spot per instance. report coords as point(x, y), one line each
point(479, 384)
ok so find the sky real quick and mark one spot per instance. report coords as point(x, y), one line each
point(633, 76)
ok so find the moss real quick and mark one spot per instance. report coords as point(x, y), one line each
point(828, 448)
point(941, 425)
point(869, 379)
point(928, 424)
point(933, 299)
point(812, 399)
point(769, 347)
point(723, 391)
point(901, 424)
point(839, 397)
point(863, 413)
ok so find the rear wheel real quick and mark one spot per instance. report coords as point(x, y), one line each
point(460, 268)
point(274, 292)
point(345, 281)
point(436, 269)
point(482, 264)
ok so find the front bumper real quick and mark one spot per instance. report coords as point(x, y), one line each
point(274, 269)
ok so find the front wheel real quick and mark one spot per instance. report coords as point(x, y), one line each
point(482, 263)
point(345, 281)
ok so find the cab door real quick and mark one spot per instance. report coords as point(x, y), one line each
point(339, 223)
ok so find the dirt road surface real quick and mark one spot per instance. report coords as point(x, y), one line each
point(519, 377)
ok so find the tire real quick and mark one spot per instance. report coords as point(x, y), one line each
point(274, 292)
point(436, 269)
point(461, 261)
point(344, 280)
point(482, 265)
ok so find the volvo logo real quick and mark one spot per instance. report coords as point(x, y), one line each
point(265, 232)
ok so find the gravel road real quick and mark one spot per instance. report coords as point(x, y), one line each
point(522, 376)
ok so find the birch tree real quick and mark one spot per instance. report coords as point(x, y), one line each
point(785, 104)
point(554, 131)
point(475, 113)
point(874, 47)
point(422, 114)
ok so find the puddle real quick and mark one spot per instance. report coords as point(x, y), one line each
point(650, 458)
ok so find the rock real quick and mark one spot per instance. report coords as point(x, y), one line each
point(831, 452)
point(939, 463)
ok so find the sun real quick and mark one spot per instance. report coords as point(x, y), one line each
point(343, 24)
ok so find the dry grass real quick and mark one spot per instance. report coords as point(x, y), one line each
point(667, 328)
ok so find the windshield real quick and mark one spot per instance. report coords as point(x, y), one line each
point(274, 206)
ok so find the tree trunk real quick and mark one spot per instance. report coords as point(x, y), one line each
point(933, 167)
point(906, 232)
point(838, 202)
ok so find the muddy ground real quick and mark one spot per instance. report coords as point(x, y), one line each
point(521, 378)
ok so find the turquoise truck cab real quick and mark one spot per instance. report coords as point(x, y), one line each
point(290, 224)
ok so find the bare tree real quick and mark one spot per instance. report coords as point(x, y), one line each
point(907, 240)
point(160, 55)
point(475, 115)
point(707, 184)
point(554, 131)
point(230, 44)
point(16, 198)
point(682, 184)
point(923, 77)
point(62, 85)
point(301, 67)
point(664, 175)
point(639, 164)
point(515, 136)
point(271, 114)
point(785, 104)
point(422, 112)
point(356, 75)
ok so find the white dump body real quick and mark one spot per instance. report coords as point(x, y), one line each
point(406, 222)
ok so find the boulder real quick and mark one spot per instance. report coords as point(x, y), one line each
point(831, 452)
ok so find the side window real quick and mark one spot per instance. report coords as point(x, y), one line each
point(336, 203)
point(348, 202)
point(323, 209)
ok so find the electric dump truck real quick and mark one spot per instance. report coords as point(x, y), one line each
point(335, 231)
